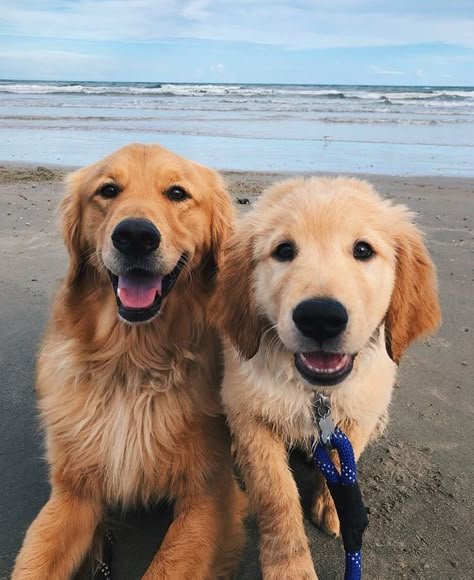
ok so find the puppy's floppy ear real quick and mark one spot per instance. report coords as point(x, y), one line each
point(222, 217)
point(233, 307)
point(70, 212)
point(414, 308)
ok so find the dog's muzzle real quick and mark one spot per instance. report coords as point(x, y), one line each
point(322, 320)
point(139, 289)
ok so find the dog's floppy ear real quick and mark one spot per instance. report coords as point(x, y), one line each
point(233, 307)
point(414, 308)
point(222, 219)
point(70, 218)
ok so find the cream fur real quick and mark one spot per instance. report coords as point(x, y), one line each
point(269, 387)
point(391, 300)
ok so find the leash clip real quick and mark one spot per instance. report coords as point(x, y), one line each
point(323, 419)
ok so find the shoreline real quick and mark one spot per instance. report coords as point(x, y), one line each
point(79, 147)
point(363, 129)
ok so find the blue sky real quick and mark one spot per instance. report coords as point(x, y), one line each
point(421, 42)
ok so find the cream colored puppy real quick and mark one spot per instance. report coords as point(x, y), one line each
point(323, 286)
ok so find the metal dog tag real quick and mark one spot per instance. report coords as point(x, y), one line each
point(323, 419)
point(326, 429)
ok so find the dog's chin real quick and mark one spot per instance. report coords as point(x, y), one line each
point(140, 293)
point(325, 369)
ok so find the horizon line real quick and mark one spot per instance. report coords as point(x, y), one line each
point(237, 83)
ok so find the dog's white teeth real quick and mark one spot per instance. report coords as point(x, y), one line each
point(324, 370)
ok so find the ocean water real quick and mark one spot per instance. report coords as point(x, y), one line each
point(347, 129)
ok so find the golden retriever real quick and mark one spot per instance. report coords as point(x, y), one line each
point(128, 373)
point(323, 286)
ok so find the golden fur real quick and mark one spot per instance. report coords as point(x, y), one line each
point(132, 412)
point(391, 300)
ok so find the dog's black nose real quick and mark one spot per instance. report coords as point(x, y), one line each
point(135, 237)
point(320, 318)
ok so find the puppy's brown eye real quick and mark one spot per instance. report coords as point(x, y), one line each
point(362, 251)
point(284, 252)
point(109, 190)
point(176, 193)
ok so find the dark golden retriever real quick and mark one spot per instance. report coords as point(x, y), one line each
point(323, 287)
point(127, 376)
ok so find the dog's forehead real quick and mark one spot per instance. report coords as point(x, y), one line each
point(148, 166)
point(320, 211)
point(314, 210)
point(318, 195)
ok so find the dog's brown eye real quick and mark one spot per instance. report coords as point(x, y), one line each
point(362, 251)
point(109, 190)
point(176, 193)
point(284, 252)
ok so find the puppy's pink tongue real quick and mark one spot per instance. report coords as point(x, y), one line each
point(138, 290)
point(325, 361)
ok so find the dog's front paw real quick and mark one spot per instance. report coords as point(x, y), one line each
point(324, 515)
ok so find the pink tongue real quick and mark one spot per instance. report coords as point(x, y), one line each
point(138, 290)
point(324, 360)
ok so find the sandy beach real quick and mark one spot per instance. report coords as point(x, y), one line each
point(416, 481)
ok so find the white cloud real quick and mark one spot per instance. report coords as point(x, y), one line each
point(383, 71)
point(295, 23)
point(74, 28)
point(45, 64)
point(196, 10)
point(57, 56)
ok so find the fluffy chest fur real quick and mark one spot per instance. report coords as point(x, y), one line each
point(269, 387)
point(117, 426)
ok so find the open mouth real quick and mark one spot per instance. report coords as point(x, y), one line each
point(324, 368)
point(139, 293)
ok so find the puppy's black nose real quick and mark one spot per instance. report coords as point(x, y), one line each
point(135, 237)
point(320, 318)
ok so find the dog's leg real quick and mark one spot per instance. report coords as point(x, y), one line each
point(284, 550)
point(233, 537)
point(59, 538)
point(323, 511)
point(207, 535)
point(191, 544)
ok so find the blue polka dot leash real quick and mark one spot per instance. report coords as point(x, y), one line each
point(343, 486)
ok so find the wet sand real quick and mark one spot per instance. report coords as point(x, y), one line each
point(416, 481)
